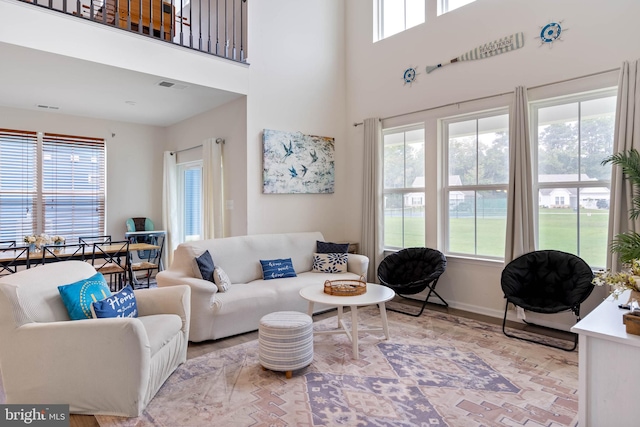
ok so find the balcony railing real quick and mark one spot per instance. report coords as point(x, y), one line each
point(218, 27)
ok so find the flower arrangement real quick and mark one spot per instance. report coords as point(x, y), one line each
point(59, 240)
point(628, 278)
point(30, 239)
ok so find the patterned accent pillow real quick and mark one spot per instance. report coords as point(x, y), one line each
point(121, 304)
point(206, 266)
point(78, 296)
point(277, 268)
point(330, 263)
point(221, 279)
point(331, 248)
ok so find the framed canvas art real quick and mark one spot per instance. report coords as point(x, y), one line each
point(297, 163)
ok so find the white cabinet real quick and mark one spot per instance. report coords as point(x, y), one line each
point(609, 373)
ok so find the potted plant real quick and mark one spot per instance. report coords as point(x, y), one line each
point(627, 245)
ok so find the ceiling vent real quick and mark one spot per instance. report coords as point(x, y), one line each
point(173, 85)
point(47, 107)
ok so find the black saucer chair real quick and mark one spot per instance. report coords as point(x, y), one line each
point(546, 281)
point(412, 270)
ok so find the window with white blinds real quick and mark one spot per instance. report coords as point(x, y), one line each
point(53, 184)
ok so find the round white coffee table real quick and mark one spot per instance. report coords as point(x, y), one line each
point(376, 294)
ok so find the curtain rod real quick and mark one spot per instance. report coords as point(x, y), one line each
point(494, 96)
point(218, 141)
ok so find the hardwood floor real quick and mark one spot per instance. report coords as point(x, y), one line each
point(199, 349)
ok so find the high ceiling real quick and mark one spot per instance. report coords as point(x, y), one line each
point(40, 81)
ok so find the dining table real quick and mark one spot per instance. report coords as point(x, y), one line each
point(34, 258)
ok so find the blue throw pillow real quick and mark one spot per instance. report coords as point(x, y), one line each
point(331, 248)
point(121, 304)
point(277, 268)
point(206, 266)
point(78, 296)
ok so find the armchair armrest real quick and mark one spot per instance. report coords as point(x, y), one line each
point(358, 264)
point(67, 360)
point(168, 300)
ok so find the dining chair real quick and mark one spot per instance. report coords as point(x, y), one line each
point(90, 240)
point(112, 259)
point(13, 257)
point(7, 243)
point(56, 253)
point(153, 260)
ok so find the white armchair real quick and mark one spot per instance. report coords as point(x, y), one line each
point(97, 366)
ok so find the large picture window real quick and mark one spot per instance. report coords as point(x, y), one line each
point(571, 138)
point(475, 193)
point(404, 188)
point(53, 184)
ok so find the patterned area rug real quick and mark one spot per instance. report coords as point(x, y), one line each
point(435, 370)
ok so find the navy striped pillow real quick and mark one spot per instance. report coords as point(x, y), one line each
point(277, 268)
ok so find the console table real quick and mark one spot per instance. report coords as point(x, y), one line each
point(609, 385)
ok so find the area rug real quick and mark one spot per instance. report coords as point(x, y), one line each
point(435, 370)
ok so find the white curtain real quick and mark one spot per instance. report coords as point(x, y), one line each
point(626, 136)
point(372, 215)
point(212, 190)
point(520, 235)
point(169, 206)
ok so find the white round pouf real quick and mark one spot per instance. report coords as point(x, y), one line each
point(285, 341)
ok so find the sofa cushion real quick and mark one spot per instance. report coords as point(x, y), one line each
point(277, 268)
point(120, 304)
point(331, 248)
point(78, 296)
point(206, 266)
point(330, 263)
point(161, 328)
point(221, 279)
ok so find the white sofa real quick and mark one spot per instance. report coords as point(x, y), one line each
point(216, 314)
point(98, 366)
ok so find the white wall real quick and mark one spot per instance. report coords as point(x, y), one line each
point(134, 160)
point(230, 123)
point(375, 89)
point(297, 83)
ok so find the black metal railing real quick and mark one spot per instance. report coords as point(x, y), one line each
point(218, 27)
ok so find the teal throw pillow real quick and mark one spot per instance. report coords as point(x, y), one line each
point(121, 304)
point(78, 296)
point(277, 268)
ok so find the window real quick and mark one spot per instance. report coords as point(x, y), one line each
point(395, 16)
point(477, 161)
point(571, 138)
point(445, 6)
point(403, 174)
point(190, 184)
point(53, 184)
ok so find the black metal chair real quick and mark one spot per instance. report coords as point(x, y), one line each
point(411, 271)
point(13, 257)
point(90, 240)
point(112, 259)
point(546, 281)
point(56, 253)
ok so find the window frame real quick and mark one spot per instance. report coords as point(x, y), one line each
point(446, 188)
point(403, 191)
point(534, 107)
point(69, 185)
point(379, 20)
point(181, 169)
